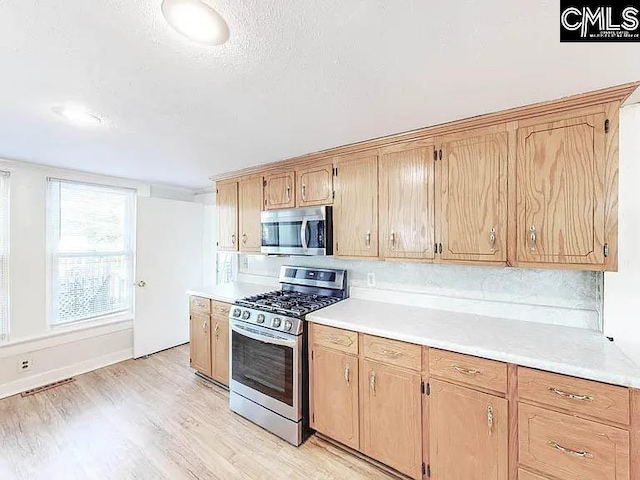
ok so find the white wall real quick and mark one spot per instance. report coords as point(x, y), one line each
point(209, 234)
point(62, 351)
point(622, 288)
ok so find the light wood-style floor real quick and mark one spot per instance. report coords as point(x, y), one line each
point(153, 419)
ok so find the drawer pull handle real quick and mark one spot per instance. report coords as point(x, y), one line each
point(582, 398)
point(347, 377)
point(568, 451)
point(465, 371)
point(390, 353)
point(340, 340)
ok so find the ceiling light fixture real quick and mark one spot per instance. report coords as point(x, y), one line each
point(196, 20)
point(77, 115)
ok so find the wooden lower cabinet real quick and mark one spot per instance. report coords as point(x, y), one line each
point(392, 417)
point(334, 395)
point(209, 338)
point(200, 343)
point(220, 350)
point(469, 434)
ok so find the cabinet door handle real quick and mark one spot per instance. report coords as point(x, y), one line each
point(233, 239)
point(532, 238)
point(392, 239)
point(568, 451)
point(572, 396)
point(492, 239)
point(490, 418)
point(346, 375)
point(216, 330)
point(372, 383)
point(244, 238)
point(465, 371)
point(288, 193)
point(204, 326)
point(367, 239)
point(304, 192)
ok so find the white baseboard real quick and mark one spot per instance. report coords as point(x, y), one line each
point(45, 378)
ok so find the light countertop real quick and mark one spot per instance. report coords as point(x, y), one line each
point(565, 350)
point(229, 292)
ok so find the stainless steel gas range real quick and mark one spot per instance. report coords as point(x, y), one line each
point(269, 361)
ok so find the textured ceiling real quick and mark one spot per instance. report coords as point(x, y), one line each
point(295, 77)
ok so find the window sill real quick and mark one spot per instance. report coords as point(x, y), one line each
point(90, 322)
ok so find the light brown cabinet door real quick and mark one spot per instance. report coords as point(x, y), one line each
point(220, 349)
point(334, 395)
point(314, 185)
point(407, 210)
point(473, 196)
point(468, 434)
point(250, 191)
point(200, 343)
point(355, 211)
point(560, 200)
point(227, 203)
point(392, 417)
point(279, 190)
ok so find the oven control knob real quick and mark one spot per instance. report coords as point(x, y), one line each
point(260, 318)
point(236, 312)
point(275, 323)
point(288, 325)
point(246, 314)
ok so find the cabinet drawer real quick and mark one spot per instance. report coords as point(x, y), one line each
point(578, 396)
point(200, 305)
point(393, 352)
point(526, 475)
point(571, 448)
point(335, 338)
point(220, 309)
point(479, 372)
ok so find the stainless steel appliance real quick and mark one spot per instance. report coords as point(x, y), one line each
point(269, 361)
point(297, 231)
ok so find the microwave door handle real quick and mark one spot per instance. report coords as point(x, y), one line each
point(303, 233)
point(276, 341)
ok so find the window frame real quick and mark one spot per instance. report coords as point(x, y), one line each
point(5, 199)
point(54, 256)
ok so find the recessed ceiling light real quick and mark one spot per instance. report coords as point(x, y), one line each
point(196, 20)
point(77, 115)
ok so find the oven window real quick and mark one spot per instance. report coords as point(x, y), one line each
point(264, 367)
point(281, 234)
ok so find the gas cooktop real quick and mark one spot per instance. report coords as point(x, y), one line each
point(294, 304)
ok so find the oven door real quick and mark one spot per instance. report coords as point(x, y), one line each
point(266, 367)
point(296, 231)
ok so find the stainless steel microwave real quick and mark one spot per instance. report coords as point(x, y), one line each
point(297, 231)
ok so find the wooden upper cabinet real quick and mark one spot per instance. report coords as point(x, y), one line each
point(469, 434)
point(334, 395)
point(392, 417)
point(560, 190)
point(250, 195)
point(355, 211)
point(227, 203)
point(472, 171)
point(314, 185)
point(279, 190)
point(407, 211)
point(200, 343)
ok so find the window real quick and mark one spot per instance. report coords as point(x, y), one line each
point(4, 254)
point(90, 243)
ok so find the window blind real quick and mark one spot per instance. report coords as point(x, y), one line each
point(91, 250)
point(4, 255)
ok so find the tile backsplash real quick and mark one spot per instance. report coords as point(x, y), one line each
point(562, 297)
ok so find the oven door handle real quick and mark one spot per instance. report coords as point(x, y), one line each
point(303, 233)
point(276, 341)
